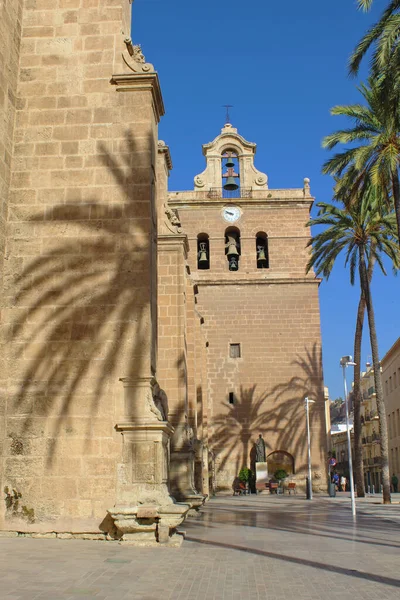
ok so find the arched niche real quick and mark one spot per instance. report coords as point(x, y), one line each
point(279, 459)
point(232, 247)
point(262, 255)
point(203, 251)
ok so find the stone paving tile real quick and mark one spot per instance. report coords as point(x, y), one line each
point(248, 548)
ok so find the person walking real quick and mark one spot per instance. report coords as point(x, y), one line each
point(395, 483)
point(343, 483)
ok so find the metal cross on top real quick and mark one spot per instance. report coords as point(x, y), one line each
point(227, 117)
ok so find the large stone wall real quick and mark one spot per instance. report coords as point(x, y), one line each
point(81, 271)
point(280, 364)
point(10, 37)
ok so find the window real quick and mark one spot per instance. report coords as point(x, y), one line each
point(390, 384)
point(232, 248)
point(395, 379)
point(386, 387)
point(234, 350)
point(203, 251)
point(262, 251)
point(231, 398)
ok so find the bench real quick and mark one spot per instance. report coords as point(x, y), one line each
point(240, 489)
point(292, 488)
point(273, 488)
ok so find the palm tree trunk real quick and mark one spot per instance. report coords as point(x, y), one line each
point(365, 288)
point(358, 454)
point(357, 397)
point(396, 199)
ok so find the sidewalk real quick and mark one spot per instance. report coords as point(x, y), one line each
point(246, 547)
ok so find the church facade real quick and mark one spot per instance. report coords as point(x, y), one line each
point(148, 336)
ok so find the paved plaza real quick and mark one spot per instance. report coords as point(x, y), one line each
point(249, 547)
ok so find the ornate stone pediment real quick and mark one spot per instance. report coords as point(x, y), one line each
point(230, 141)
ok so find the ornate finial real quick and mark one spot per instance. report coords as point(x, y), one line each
point(306, 188)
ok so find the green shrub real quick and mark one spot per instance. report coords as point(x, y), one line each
point(245, 474)
point(280, 474)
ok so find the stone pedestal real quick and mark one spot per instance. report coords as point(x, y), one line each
point(145, 513)
point(182, 466)
point(261, 475)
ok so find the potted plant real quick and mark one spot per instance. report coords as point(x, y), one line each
point(245, 475)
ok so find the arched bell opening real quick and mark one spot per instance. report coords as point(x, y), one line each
point(232, 247)
point(203, 251)
point(262, 250)
point(230, 174)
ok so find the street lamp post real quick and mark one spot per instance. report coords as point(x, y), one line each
point(307, 401)
point(347, 361)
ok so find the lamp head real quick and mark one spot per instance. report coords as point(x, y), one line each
point(347, 361)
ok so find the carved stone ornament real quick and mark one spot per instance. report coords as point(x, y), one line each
point(159, 406)
point(134, 59)
point(172, 221)
point(261, 180)
point(199, 182)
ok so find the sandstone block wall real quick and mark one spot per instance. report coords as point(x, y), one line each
point(277, 327)
point(10, 37)
point(81, 248)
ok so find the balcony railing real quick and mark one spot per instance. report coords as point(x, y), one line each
point(241, 192)
point(377, 460)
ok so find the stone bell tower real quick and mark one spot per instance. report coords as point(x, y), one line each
point(259, 314)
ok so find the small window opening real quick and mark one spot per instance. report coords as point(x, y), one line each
point(262, 251)
point(203, 251)
point(231, 398)
point(232, 248)
point(234, 350)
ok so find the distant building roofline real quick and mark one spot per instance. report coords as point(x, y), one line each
point(392, 349)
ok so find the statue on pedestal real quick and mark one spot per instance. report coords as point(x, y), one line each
point(260, 450)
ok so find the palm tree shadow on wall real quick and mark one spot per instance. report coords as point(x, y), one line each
point(83, 302)
point(277, 414)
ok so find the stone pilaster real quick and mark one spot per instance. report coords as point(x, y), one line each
point(145, 513)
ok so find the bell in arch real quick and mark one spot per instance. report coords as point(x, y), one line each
point(203, 253)
point(262, 253)
point(229, 163)
point(232, 251)
point(230, 183)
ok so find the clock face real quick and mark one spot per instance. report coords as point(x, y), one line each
point(231, 213)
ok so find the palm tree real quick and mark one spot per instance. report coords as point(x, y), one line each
point(363, 233)
point(376, 135)
point(345, 189)
point(383, 35)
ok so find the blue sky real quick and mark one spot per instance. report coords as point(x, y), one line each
point(282, 65)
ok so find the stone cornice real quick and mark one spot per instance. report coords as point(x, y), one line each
point(173, 239)
point(164, 149)
point(269, 281)
point(131, 82)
